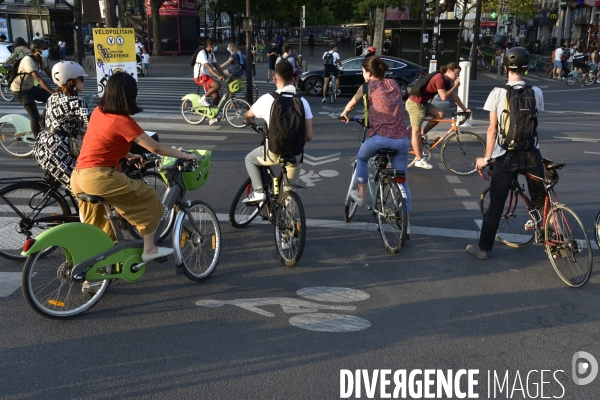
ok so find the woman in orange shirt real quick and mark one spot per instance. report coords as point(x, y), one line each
point(108, 139)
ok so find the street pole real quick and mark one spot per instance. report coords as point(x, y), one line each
point(434, 41)
point(302, 17)
point(249, 61)
point(110, 20)
point(423, 30)
point(476, 30)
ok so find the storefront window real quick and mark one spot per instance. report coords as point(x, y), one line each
point(37, 27)
point(582, 15)
point(19, 29)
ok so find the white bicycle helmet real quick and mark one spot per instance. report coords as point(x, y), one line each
point(65, 70)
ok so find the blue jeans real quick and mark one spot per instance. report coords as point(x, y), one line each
point(63, 53)
point(399, 161)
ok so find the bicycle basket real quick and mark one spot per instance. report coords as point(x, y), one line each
point(236, 85)
point(193, 180)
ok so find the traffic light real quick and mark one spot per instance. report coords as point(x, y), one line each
point(426, 53)
point(440, 47)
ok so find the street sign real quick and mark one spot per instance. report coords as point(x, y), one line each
point(523, 27)
point(425, 38)
point(507, 22)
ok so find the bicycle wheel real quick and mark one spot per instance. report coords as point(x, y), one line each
point(460, 150)
point(597, 229)
point(570, 80)
point(49, 290)
point(21, 206)
point(331, 88)
point(199, 250)
point(350, 206)
point(511, 230)
point(568, 246)
point(189, 115)
point(485, 66)
point(255, 92)
point(290, 229)
point(5, 91)
point(235, 109)
point(241, 214)
point(391, 216)
point(155, 181)
point(16, 144)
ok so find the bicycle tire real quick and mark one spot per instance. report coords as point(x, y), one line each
point(511, 229)
point(597, 229)
point(5, 91)
point(12, 146)
point(570, 80)
point(460, 151)
point(49, 290)
point(290, 229)
point(350, 206)
point(199, 259)
point(394, 221)
point(562, 244)
point(18, 203)
point(485, 66)
point(240, 214)
point(331, 89)
point(190, 116)
point(235, 110)
point(255, 93)
point(588, 81)
point(544, 70)
point(155, 181)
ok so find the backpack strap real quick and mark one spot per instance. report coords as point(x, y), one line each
point(365, 89)
point(275, 96)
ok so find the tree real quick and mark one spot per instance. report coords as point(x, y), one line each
point(365, 8)
point(38, 4)
point(156, 27)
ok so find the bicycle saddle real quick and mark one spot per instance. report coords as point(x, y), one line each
point(386, 152)
point(89, 198)
point(287, 160)
point(551, 165)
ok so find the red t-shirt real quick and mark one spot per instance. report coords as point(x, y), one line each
point(108, 139)
point(431, 89)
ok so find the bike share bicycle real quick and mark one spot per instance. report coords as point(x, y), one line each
point(234, 108)
point(558, 228)
point(282, 208)
point(387, 195)
point(61, 259)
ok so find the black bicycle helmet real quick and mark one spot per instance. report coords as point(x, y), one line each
point(516, 58)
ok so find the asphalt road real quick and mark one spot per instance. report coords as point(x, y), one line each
point(273, 332)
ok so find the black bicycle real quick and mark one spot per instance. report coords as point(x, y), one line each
point(282, 208)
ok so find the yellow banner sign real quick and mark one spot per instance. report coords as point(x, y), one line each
point(114, 45)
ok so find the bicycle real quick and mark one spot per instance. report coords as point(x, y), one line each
point(61, 259)
point(561, 232)
point(387, 195)
point(459, 148)
point(575, 77)
point(233, 108)
point(597, 228)
point(5, 91)
point(333, 92)
point(283, 209)
point(483, 65)
point(544, 68)
point(16, 137)
point(32, 205)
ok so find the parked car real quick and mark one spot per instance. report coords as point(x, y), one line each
point(403, 71)
point(6, 50)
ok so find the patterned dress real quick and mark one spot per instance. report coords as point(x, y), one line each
point(51, 151)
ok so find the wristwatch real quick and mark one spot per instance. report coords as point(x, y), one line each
point(487, 160)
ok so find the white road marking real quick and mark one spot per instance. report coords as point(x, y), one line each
point(453, 179)
point(577, 139)
point(479, 223)
point(462, 192)
point(471, 205)
point(9, 282)
point(333, 294)
point(591, 152)
point(321, 322)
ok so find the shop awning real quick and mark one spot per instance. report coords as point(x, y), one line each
point(22, 9)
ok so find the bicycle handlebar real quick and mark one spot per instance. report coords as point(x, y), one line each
point(257, 128)
point(360, 120)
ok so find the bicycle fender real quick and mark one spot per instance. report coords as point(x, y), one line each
point(20, 122)
point(80, 240)
point(193, 97)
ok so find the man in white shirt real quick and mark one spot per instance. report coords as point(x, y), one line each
point(138, 46)
point(205, 69)
point(508, 164)
point(331, 58)
point(36, 37)
point(557, 63)
point(284, 80)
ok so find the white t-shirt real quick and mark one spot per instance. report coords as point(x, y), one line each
point(62, 44)
point(289, 59)
point(145, 58)
point(558, 53)
point(495, 102)
point(571, 52)
point(138, 47)
point(262, 107)
point(336, 56)
point(202, 58)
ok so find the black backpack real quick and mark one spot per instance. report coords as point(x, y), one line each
point(420, 84)
point(328, 58)
point(13, 72)
point(578, 60)
point(193, 59)
point(518, 122)
point(287, 125)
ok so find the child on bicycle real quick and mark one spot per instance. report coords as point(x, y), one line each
point(509, 162)
point(205, 68)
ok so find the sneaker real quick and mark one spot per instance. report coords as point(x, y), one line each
point(204, 102)
point(91, 287)
point(356, 198)
point(423, 164)
point(324, 100)
point(477, 252)
point(256, 197)
point(214, 120)
point(162, 252)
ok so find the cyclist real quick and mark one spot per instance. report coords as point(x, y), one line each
point(330, 59)
point(108, 139)
point(205, 69)
point(23, 86)
point(581, 63)
point(66, 116)
point(508, 163)
point(370, 52)
point(284, 80)
point(235, 60)
point(385, 102)
point(21, 50)
point(444, 84)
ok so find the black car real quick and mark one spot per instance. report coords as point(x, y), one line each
point(403, 71)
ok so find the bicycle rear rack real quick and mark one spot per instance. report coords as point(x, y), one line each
point(10, 181)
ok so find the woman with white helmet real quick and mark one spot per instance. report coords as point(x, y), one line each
point(66, 117)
